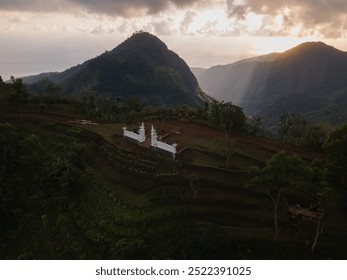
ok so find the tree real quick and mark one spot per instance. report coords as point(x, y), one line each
point(8, 138)
point(229, 151)
point(215, 112)
point(133, 107)
point(20, 93)
point(133, 103)
point(89, 101)
point(232, 116)
point(31, 152)
point(2, 84)
point(195, 184)
point(317, 135)
point(8, 144)
point(281, 171)
point(336, 148)
point(321, 201)
point(292, 128)
point(116, 107)
point(255, 126)
point(65, 169)
point(42, 107)
point(315, 186)
point(53, 89)
point(183, 110)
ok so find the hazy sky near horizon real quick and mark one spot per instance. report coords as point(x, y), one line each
point(52, 35)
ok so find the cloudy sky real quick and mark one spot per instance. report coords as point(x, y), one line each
point(51, 35)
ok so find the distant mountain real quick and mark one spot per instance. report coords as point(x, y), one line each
point(141, 66)
point(310, 79)
point(197, 70)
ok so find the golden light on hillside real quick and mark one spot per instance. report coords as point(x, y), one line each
point(266, 45)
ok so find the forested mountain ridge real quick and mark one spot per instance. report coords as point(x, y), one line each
point(309, 79)
point(141, 66)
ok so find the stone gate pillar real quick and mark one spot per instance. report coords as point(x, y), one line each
point(154, 137)
point(142, 133)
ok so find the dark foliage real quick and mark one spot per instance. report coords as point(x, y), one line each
point(142, 66)
point(309, 80)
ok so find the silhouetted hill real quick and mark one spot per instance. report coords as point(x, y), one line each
point(141, 66)
point(309, 79)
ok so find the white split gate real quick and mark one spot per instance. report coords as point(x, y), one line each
point(162, 145)
point(141, 137)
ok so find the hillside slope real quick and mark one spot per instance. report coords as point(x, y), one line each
point(141, 66)
point(309, 79)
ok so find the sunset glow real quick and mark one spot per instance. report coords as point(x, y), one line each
point(268, 45)
point(45, 37)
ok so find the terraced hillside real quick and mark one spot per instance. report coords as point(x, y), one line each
point(137, 203)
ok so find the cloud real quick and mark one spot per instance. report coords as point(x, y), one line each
point(129, 8)
point(67, 28)
point(18, 19)
point(125, 8)
point(321, 18)
point(210, 28)
point(35, 5)
point(163, 26)
point(186, 22)
point(100, 29)
point(313, 17)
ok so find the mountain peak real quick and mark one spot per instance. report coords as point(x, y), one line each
point(141, 40)
point(312, 44)
point(309, 79)
point(315, 49)
point(141, 66)
point(144, 35)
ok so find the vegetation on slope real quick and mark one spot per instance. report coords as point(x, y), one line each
point(141, 66)
point(308, 80)
point(68, 193)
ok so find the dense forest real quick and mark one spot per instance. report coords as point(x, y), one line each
point(69, 191)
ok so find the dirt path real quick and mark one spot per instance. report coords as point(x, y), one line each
point(39, 116)
point(189, 128)
point(197, 130)
point(275, 146)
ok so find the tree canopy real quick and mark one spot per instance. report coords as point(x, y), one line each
point(281, 171)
